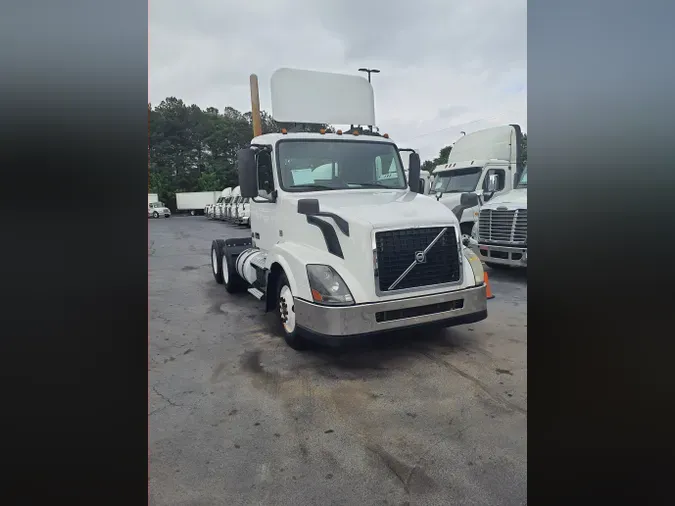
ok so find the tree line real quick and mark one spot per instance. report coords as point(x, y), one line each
point(191, 149)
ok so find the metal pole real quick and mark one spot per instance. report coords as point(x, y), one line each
point(255, 106)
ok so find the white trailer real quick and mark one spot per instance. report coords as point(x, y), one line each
point(153, 197)
point(348, 250)
point(195, 202)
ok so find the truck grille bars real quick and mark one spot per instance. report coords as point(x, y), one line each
point(419, 257)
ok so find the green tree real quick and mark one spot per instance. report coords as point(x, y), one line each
point(443, 154)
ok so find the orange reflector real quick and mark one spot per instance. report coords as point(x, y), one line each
point(355, 132)
point(322, 131)
point(386, 136)
point(284, 131)
point(316, 295)
point(339, 132)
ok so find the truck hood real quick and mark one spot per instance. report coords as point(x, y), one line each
point(384, 208)
point(514, 198)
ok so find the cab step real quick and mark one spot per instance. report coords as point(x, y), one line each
point(256, 293)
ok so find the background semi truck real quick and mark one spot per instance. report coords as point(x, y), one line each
point(486, 162)
point(195, 202)
point(351, 249)
point(500, 235)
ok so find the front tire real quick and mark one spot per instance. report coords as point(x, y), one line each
point(155, 214)
point(286, 315)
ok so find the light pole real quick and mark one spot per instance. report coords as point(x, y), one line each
point(369, 71)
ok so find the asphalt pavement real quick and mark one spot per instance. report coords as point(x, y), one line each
point(236, 417)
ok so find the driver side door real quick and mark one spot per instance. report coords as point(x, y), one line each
point(264, 210)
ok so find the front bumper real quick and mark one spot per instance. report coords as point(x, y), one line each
point(448, 308)
point(504, 255)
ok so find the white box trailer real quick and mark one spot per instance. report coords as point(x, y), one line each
point(153, 197)
point(195, 202)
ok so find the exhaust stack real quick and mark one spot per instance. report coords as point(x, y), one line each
point(255, 106)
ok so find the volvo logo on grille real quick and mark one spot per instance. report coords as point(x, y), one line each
point(420, 257)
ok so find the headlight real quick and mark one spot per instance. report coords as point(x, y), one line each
point(476, 266)
point(474, 231)
point(327, 286)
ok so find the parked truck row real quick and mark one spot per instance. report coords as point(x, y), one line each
point(232, 207)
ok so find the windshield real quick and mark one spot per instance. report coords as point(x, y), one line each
point(523, 180)
point(457, 181)
point(338, 165)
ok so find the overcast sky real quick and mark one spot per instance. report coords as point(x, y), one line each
point(446, 65)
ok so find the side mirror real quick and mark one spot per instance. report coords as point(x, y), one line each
point(414, 167)
point(308, 206)
point(466, 201)
point(492, 183)
point(248, 177)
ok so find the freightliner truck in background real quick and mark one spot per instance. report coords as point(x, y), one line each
point(346, 253)
point(500, 235)
point(485, 162)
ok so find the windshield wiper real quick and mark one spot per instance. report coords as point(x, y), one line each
point(313, 186)
point(375, 185)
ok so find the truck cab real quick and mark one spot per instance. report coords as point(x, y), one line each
point(218, 207)
point(231, 206)
point(341, 243)
point(157, 209)
point(243, 212)
point(483, 162)
point(499, 237)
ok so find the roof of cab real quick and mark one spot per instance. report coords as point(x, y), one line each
point(276, 137)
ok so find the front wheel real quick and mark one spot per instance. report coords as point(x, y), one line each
point(155, 214)
point(286, 315)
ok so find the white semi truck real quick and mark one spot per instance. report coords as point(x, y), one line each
point(499, 237)
point(231, 206)
point(485, 162)
point(346, 253)
point(195, 202)
point(211, 211)
point(219, 208)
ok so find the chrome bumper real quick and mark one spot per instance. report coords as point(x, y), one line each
point(505, 255)
point(454, 308)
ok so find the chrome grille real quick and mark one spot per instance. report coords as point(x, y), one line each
point(502, 226)
point(395, 250)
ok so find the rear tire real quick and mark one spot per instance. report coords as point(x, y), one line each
point(233, 281)
point(217, 260)
point(285, 309)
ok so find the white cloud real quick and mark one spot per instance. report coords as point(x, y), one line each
point(446, 66)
